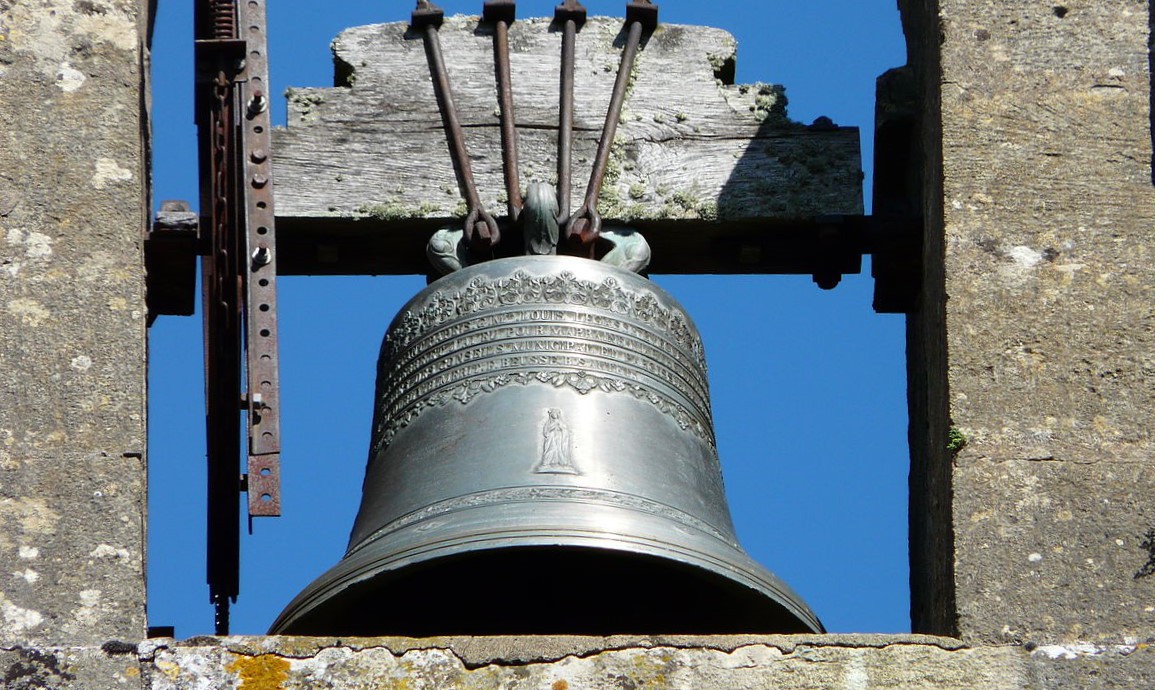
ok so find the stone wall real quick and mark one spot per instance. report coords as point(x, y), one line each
point(1039, 276)
point(73, 202)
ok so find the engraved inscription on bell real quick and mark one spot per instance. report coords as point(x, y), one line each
point(543, 415)
point(558, 329)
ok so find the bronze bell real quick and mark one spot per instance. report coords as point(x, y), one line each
point(543, 461)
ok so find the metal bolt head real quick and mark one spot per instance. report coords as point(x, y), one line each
point(259, 180)
point(570, 9)
point(500, 11)
point(257, 105)
point(427, 14)
point(642, 11)
point(259, 155)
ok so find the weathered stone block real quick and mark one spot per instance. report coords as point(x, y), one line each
point(70, 542)
point(87, 668)
point(859, 662)
point(1047, 283)
point(1056, 547)
point(1081, 666)
point(73, 180)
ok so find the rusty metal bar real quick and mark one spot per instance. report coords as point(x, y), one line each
point(218, 62)
point(239, 281)
point(582, 229)
point(481, 231)
point(502, 13)
point(260, 273)
point(571, 15)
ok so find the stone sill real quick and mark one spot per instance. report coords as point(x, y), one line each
point(738, 662)
point(529, 649)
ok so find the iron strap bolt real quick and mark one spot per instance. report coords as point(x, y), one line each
point(583, 227)
point(257, 105)
point(481, 231)
point(502, 13)
point(571, 15)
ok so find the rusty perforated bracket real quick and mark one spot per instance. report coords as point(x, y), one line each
point(260, 268)
point(239, 267)
point(243, 186)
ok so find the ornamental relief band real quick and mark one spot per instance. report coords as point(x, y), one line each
point(557, 324)
point(484, 361)
point(471, 382)
point(628, 357)
point(457, 344)
point(523, 289)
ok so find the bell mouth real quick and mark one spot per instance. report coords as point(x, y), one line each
point(545, 590)
point(562, 567)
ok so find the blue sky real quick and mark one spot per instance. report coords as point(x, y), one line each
point(808, 387)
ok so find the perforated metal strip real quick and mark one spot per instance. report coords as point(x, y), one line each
point(263, 399)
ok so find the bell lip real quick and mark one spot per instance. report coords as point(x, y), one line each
point(361, 566)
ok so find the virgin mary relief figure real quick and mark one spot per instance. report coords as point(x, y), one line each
point(557, 447)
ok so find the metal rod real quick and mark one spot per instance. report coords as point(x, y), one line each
point(218, 59)
point(481, 229)
point(502, 13)
point(571, 15)
point(613, 114)
point(583, 227)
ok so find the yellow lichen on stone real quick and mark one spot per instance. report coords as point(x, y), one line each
point(168, 668)
point(264, 672)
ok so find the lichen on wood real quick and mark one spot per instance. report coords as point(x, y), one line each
point(690, 145)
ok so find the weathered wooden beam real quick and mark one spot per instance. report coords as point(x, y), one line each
point(389, 247)
point(704, 168)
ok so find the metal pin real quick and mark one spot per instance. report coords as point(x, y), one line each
point(257, 105)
